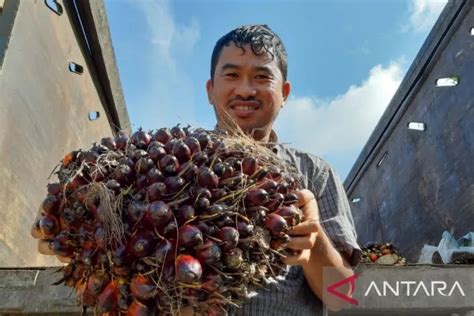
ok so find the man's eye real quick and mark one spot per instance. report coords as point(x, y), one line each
point(262, 77)
point(231, 74)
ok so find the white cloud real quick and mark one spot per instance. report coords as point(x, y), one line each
point(172, 44)
point(424, 13)
point(343, 124)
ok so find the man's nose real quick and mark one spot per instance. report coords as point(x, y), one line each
point(245, 89)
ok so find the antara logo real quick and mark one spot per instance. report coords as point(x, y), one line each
point(414, 288)
point(332, 289)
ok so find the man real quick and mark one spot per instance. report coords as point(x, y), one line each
point(249, 86)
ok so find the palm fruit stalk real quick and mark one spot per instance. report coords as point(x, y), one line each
point(167, 219)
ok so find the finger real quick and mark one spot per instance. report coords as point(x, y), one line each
point(297, 259)
point(304, 197)
point(43, 248)
point(302, 243)
point(307, 227)
point(64, 259)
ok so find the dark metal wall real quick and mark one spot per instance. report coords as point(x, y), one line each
point(408, 186)
point(44, 114)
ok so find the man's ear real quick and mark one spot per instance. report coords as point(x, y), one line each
point(286, 90)
point(209, 91)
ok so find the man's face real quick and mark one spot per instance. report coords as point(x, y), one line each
point(249, 88)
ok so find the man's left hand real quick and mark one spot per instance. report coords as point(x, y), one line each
point(303, 236)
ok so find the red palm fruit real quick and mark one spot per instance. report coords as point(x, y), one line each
point(135, 211)
point(276, 224)
point(108, 298)
point(256, 197)
point(164, 251)
point(188, 171)
point(142, 288)
point(208, 253)
point(86, 298)
point(113, 185)
point(143, 165)
point(188, 269)
point(137, 308)
point(207, 228)
point(212, 282)
point(123, 174)
point(156, 152)
point(158, 213)
point(202, 204)
point(283, 188)
point(268, 185)
point(204, 140)
point(228, 171)
point(127, 161)
point(140, 182)
point(121, 141)
point(69, 216)
point(162, 135)
point(142, 244)
point(136, 154)
point(250, 165)
point(49, 225)
point(193, 144)
point(51, 204)
point(174, 184)
point(168, 163)
point(88, 156)
point(233, 258)
point(177, 132)
point(88, 253)
point(97, 281)
point(154, 175)
point(219, 169)
point(170, 145)
point(185, 213)
point(200, 158)
point(274, 173)
point(140, 138)
point(54, 188)
point(81, 193)
point(75, 183)
point(229, 237)
point(170, 230)
point(207, 178)
point(245, 229)
point(61, 245)
point(291, 214)
point(120, 256)
point(181, 151)
point(198, 192)
point(275, 201)
point(218, 193)
point(291, 198)
point(36, 230)
point(108, 142)
point(156, 191)
point(189, 236)
point(213, 210)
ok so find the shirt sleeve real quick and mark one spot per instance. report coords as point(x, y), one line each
point(335, 212)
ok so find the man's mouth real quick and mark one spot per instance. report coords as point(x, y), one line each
point(244, 109)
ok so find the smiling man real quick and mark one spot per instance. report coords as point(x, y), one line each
point(249, 86)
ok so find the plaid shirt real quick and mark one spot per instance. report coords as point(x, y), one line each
point(290, 294)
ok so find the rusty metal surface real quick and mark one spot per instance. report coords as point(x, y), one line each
point(43, 115)
point(425, 184)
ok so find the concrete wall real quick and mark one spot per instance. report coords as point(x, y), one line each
point(408, 186)
point(43, 115)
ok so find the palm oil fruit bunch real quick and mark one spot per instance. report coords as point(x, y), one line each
point(167, 219)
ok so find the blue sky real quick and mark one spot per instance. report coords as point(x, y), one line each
point(346, 60)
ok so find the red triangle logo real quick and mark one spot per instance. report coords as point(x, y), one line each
point(332, 289)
